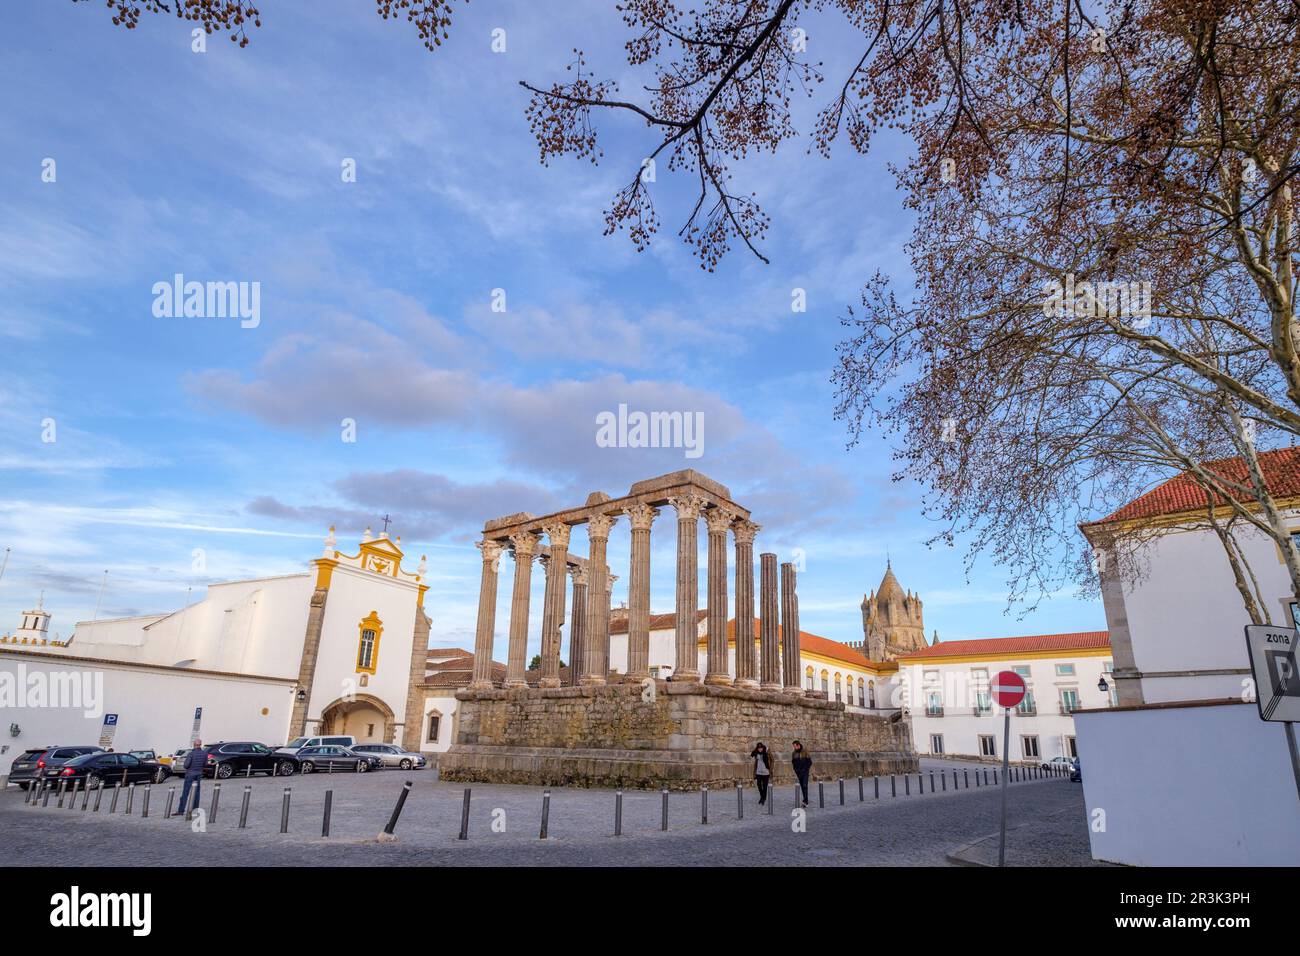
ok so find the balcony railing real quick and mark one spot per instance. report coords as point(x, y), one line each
point(934, 711)
point(1067, 710)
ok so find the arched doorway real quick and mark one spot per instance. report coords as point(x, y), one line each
point(367, 718)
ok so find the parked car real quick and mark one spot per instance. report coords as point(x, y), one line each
point(1057, 763)
point(145, 755)
point(393, 756)
point(176, 760)
point(293, 746)
point(94, 770)
point(1076, 771)
point(30, 765)
point(330, 758)
point(229, 758)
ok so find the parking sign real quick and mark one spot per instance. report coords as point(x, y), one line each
point(1277, 676)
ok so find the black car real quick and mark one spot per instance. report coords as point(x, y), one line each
point(333, 758)
point(96, 770)
point(227, 759)
point(30, 765)
point(1076, 771)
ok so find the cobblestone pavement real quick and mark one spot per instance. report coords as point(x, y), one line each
point(1047, 817)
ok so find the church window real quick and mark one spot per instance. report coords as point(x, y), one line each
point(826, 682)
point(808, 675)
point(839, 688)
point(862, 693)
point(434, 721)
point(871, 689)
point(368, 644)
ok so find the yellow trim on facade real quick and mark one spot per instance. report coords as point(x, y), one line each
point(419, 600)
point(370, 622)
point(324, 572)
point(1006, 656)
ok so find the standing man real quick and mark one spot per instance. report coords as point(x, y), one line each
point(195, 760)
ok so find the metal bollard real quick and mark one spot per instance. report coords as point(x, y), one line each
point(243, 808)
point(977, 778)
point(130, 797)
point(907, 784)
point(72, 795)
point(861, 795)
point(740, 803)
point(875, 779)
point(618, 813)
point(124, 777)
point(920, 784)
point(99, 792)
point(771, 796)
point(965, 776)
point(986, 778)
point(821, 795)
point(85, 796)
point(171, 797)
point(943, 780)
point(664, 822)
point(932, 781)
point(841, 791)
point(216, 799)
point(325, 817)
point(63, 785)
point(248, 773)
point(397, 810)
point(112, 807)
point(284, 810)
point(464, 817)
point(893, 785)
point(546, 813)
point(144, 807)
point(704, 804)
point(995, 777)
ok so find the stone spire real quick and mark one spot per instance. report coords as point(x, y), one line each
point(892, 621)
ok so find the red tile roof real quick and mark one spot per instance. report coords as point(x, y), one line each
point(1281, 469)
point(813, 643)
point(618, 620)
point(1074, 641)
point(458, 672)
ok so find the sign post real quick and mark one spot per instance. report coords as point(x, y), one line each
point(198, 719)
point(1277, 680)
point(1008, 691)
point(108, 729)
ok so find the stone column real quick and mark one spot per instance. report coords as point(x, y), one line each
point(525, 546)
point(604, 621)
point(487, 616)
point(638, 594)
point(769, 625)
point(553, 618)
point(790, 630)
point(746, 662)
point(716, 671)
point(577, 623)
point(593, 669)
point(687, 666)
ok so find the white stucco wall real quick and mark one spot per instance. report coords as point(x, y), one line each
point(1185, 614)
point(446, 706)
point(1189, 786)
point(155, 708)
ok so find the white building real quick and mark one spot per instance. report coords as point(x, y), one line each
point(947, 691)
point(1186, 698)
point(340, 649)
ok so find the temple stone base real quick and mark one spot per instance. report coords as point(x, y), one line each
point(681, 737)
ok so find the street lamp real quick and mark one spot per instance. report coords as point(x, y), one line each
point(1102, 685)
point(302, 695)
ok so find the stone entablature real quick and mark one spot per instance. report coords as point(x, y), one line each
point(687, 735)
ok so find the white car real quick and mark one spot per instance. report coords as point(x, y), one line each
point(293, 746)
point(393, 755)
point(1060, 764)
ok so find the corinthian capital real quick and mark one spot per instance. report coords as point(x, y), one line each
point(642, 515)
point(745, 530)
point(579, 573)
point(491, 552)
point(558, 533)
point(719, 520)
point(688, 505)
point(524, 543)
point(598, 525)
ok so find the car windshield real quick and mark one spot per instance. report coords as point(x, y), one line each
point(82, 760)
point(298, 741)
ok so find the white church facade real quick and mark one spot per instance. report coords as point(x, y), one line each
point(340, 648)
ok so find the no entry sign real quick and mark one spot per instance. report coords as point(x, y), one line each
point(1008, 689)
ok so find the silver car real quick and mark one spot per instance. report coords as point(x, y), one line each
point(393, 755)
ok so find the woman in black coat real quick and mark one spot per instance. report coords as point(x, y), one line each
point(802, 763)
point(762, 770)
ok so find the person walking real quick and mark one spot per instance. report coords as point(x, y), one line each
point(802, 764)
point(762, 770)
point(195, 761)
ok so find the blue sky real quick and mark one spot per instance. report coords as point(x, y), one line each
point(177, 434)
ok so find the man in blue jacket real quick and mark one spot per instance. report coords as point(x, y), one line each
point(195, 760)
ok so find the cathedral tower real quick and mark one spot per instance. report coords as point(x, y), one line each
point(891, 620)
